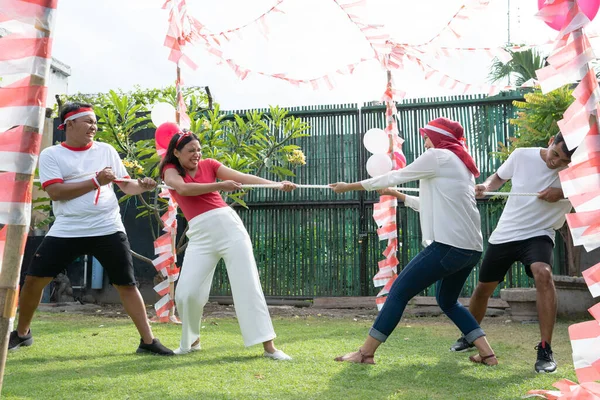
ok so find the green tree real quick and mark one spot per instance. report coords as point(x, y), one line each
point(521, 67)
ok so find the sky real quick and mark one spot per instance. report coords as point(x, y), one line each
point(119, 44)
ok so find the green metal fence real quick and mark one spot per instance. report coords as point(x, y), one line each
point(315, 243)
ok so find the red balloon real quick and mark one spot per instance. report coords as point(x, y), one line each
point(164, 133)
point(588, 7)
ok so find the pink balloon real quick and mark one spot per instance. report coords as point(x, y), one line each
point(164, 133)
point(588, 7)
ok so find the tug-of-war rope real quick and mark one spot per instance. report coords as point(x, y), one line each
point(298, 186)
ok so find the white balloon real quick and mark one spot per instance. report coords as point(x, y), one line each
point(161, 113)
point(379, 164)
point(376, 141)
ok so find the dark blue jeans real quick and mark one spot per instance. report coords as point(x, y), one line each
point(448, 266)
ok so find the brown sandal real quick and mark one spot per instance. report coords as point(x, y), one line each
point(483, 359)
point(364, 358)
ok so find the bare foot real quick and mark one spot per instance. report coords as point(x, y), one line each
point(357, 357)
point(485, 360)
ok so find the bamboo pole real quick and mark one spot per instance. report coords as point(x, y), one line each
point(173, 266)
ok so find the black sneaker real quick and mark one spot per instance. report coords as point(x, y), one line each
point(545, 359)
point(155, 348)
point(462, 345)
point(17, 341)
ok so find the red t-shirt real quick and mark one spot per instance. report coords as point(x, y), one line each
point(192, 206)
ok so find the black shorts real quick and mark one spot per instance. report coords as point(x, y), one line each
point(500, 257)
point(54, 255)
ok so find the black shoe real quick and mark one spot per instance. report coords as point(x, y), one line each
point(17, 341)
point(155, 348)
point(462, 345)
point(545, 359)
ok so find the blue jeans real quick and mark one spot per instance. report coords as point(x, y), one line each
point(448, 266)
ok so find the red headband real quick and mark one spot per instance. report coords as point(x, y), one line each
point(181, 136)
point(80, 112)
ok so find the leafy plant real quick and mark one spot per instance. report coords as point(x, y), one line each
point(253, 143)
point(537, 118)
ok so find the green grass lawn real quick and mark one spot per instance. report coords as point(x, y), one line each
point(87, 357)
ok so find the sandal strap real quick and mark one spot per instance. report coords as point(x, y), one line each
point(363, 356)
point(486, 357)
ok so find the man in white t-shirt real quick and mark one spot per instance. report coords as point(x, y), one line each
point(78, 176)
point(526, 233)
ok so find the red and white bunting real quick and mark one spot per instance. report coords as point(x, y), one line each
point(19, 149)
point(569, 390)
point(164, 304)
point(162, 288)
point(385, 211)
point(585, 229)
point(163, 244)
point(581, 178)
point(165, 262)
point(580, 182)
point(585, 341)
point(592, 279)
point(39, 13)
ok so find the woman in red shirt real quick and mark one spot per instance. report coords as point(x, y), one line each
point(215, 231)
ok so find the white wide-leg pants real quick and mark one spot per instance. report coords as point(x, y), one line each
point(217, 234)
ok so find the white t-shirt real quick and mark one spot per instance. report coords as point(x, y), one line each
point(79, 217)
point(525, 217)
point(447, 205)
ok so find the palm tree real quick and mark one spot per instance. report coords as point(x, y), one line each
point(522, 66)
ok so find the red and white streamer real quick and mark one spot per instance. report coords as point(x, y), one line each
point(165, 262)
point(580, 181)
point(25, 56)
point(186, 30)
point(384, 212)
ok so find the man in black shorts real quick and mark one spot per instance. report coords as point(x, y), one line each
point(525, 233)
point(78, 176)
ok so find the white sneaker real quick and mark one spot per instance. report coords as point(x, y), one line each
point(179, 351)
point(277, 355)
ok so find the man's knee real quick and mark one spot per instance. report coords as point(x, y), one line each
point(542, 275)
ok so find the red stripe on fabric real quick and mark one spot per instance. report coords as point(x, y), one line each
point(23, 96)
point(587, 374)
point(592, 275)
point(14, 49)
point(17, 140)
point(581, 219)
point(387, 229)
point(586, 168)
point(14, 191)
point(51, 182)
point(27, 10)
point(584, 330)
point(162, 240)
point(41, 3)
